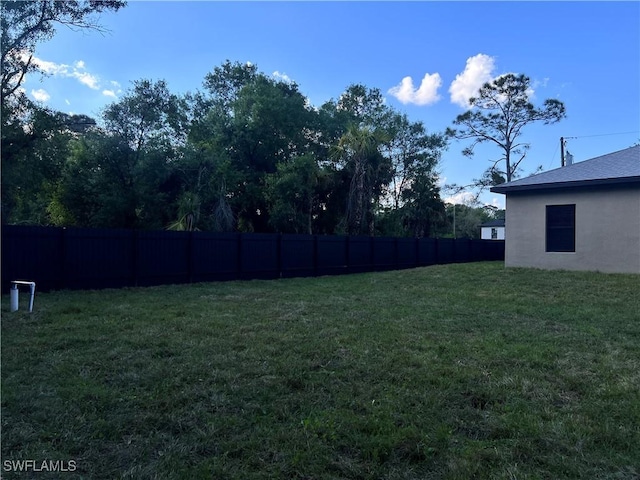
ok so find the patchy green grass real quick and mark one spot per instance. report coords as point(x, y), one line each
point(446, 372)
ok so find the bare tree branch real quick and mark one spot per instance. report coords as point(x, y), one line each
point(25, 24)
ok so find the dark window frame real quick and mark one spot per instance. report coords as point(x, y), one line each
point(560, 228)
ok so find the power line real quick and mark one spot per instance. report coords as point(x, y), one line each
point(553, 157)
point(606, 134)
point(564, 139)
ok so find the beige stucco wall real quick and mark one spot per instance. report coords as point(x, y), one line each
point(607, 230)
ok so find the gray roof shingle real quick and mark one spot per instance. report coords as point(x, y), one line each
point(493, 223)
point(613, 168)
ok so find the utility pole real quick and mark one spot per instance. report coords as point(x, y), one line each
point(565, 156)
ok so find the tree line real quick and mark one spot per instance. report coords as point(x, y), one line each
point(247, 152)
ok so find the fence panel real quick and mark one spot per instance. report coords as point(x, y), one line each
point(475, 250)
point(331, 252)
point(34, 254)
point(427, 251)
point(57, 258)
point(384, 253)
point(407, 250)
point(445, 250)
point(360, 254)
point(163, 258)
point(297, 255)
point(215, 256)
point(462, 250)
point(493, 250)
point(259, 256)
point(99, 258)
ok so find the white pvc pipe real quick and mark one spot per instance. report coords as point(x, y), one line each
point(14, 298)
point(32, 291)
point(15, 294)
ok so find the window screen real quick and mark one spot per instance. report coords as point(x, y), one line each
point(561, 228)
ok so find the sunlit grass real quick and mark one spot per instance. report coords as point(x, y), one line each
point(453, 372)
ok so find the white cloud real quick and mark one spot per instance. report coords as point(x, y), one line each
point(541, 83)
point(51, 68)
point(87, 79)
point(66, 100)
point(283, 77)
point(76, 71)
point(461, 198)
point(477, 72)
point(40, 95)
point(114, 91)
point(426, 94)
point(497, 202)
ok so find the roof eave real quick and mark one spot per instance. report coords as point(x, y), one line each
point(504, 189)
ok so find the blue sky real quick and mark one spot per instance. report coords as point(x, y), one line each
point(425, 57)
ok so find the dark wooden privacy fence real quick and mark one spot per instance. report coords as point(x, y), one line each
point(72, 258)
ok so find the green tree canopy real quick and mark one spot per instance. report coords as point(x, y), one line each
point(293, 195)
point(35, 140)
point(247, 153)
point(125, 170)
point(248, 124)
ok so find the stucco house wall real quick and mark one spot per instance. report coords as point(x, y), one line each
point(607, 229)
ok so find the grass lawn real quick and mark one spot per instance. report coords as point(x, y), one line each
point(446, 372)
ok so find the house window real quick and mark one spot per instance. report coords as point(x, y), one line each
point(561, 228)
point(494, 234)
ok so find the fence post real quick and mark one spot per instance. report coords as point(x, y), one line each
point(315, 255)
point(372, 256)
point(279, 254)
point(347, 253)
point(396, 263)
point(239, 257)
point(134, 256)
point(190, 257)
point(64, 258)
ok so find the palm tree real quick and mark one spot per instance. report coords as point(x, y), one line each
point(188, 213)
point(359, 149)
